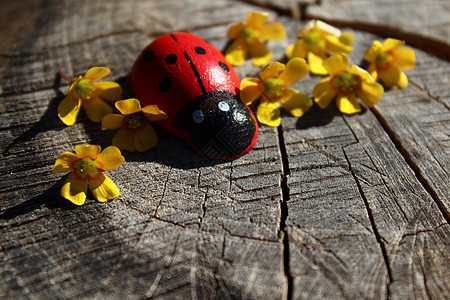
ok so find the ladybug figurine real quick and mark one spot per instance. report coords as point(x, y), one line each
point(190, 80)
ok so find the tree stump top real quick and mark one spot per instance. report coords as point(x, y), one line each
point(327, 206)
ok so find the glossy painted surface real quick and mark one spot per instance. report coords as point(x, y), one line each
point(191, 81)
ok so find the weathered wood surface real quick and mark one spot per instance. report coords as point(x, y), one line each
point(326, 206)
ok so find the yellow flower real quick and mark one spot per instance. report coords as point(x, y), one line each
point(249, 39)
point(275, 77)
point(136, 132)
point(317, 41)
point(387, 59)
point(84, 92)
point(346, 84)
point(87, 165)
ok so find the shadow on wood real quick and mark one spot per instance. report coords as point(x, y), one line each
point(48, 121)
point(50, 198)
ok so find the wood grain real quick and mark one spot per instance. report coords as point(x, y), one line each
point(327, 206)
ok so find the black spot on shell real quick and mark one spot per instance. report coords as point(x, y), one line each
point(148, 56)
point(164, 85)
point(224, 66)
point(171, 59)
point(200, 50)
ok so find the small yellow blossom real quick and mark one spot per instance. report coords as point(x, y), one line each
point(87, 165)
point(84, 92)
point(136, 132)
point(345, 85)
point(275, 77)
point(317, 41)
point(249, 39)
point(387, 59)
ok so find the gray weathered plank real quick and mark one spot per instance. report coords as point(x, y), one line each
point(356, 220)
point(350, 185)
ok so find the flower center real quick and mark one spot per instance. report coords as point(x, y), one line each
point(346, 82)
point(249, 35)
point(136, 120)
point(314, 41)
point(383, 59)
point(273, 87)
point(86, 167)
point(84, 89)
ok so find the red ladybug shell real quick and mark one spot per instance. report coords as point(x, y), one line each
point(193, 84)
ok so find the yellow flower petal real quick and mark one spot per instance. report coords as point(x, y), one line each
point(316, 64)
point(103, 188)
point(128, 106)
point(91, 151)
point(74, 190)
point(64, 163)
point(235, 30)
point(74, 84)
point(405, 58)
point(273, 31)
point(96, 109)
point(336, 64)
point(297, 49)
point(335, 46)
point(256, 18)
point(250, 90)
point(68, 110)
point(393, 78)
point(373, 71)
point(236, 53)
point(296, 68)
point(355, 70)
point(112, 121)
point(297, 103)
point(269, 113)
point(273, 69)
point(109, 90)
point(348, 104)
point(110, 158)
point(372, 53)
point(391, 44)
point(346, 38)
point(370, 93)
point(97, 73)
point(145, 138)
point(323, 93)
point(124, 139)
point(153, 113)
point(259, 53)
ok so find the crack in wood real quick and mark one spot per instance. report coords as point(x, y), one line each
point(425, 89)
point(290, 12)
point(420, 232)
point(229, 233)
point(377, 234)
point(200, 219)
point(284, 211)
point(163, 193)
point(155, 283)
point(410, 162)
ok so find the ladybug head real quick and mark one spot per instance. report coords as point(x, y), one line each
point(219, 124)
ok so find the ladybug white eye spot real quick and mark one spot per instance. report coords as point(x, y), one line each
point(164, 85)
point(223, 106)
point(198, 116)
point(200, 50)
point(171, 59)
point(224, 66)
point(148, 56)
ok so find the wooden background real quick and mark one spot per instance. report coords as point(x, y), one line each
point(327, 206)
